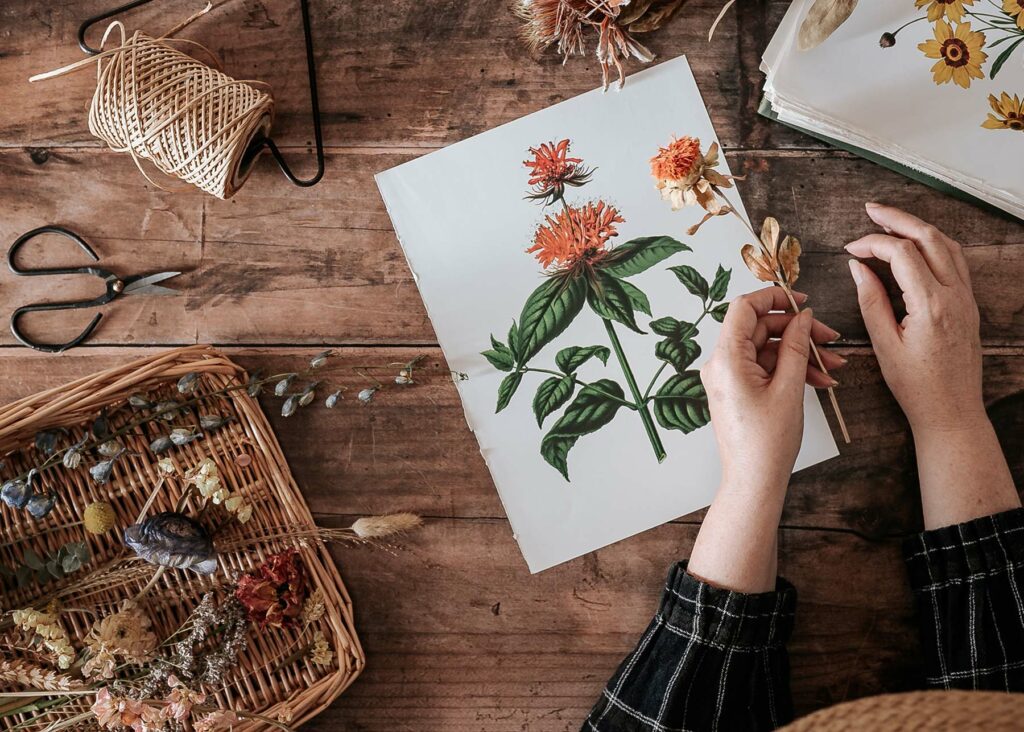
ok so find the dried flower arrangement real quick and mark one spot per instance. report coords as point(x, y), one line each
point(564, 24)
point(582, 267)
point(686, 176)
point(163, 567)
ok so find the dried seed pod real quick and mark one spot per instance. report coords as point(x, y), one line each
point(366, 395)
point(46, 441)
point(188, 383)
point(168, 410)
point(290, 406)
point(212, 421)
point(101, 471)
point(402, 380)
point(39, 505)
point(320, 359)
point(281, 387)
point(333, 399)
point(183, 436)
point(139, 401)
point(100, 428)
point(255, 387)
point(110, 448)
point(308, 394)
point(15, 493)
point(172, 539)
point(73, 455)
point(160, 444)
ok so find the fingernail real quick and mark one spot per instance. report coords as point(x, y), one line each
point(872, 204)
point(836, 335)
point(832, 382)
point(857, 272)
point(842, 361)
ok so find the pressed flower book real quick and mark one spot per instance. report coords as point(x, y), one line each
point(563, 284)
point(932, 88)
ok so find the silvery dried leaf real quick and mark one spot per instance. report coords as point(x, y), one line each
point(168, 410)
point(160, 444)
point(101, 471)
point(110, 448)
point(320, 359)
point(15, 493)
point(281, 387)
point(333, 399)
point(188, 383)
point(173, 540)
point(182, 436)
point(139, 401)
point(290, 406)
point(823, 19)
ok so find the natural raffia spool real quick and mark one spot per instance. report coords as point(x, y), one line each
point(191, 121)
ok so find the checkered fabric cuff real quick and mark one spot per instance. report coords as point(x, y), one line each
point(727, 618)
point(980, 548)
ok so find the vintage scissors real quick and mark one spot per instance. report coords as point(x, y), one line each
point(144, 284)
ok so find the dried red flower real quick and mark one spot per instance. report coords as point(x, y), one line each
point(273, 594)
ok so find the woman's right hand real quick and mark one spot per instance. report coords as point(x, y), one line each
point(932, 359)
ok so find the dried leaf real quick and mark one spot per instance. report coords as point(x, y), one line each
point(822, 20)
point(633, 12)
point(770, 235)
point(755, 263)
point(789, 259)
point(656, 17)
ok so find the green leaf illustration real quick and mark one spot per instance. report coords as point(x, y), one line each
point(692, 279)
point(500, 356)
point(672, 328)
point(720, 286)
point(718, 313)
point(681, 403)
point(592, 409)
point(552, 394)
point(637, 297)
point(548, 311)
point(507, 389)
point(1003, 58)
point(637, 255)
point(571, 358)
point(513, 340)
point(678, 353)
point(609, 299)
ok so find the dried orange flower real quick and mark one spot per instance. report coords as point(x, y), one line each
point(551, 170)
point(575, 235)
point(686, 176)
point(773, 263)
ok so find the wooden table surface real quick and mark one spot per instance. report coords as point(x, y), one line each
point(459, 635)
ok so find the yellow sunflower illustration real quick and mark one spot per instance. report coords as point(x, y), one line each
point(952, 9)
point(958, 52)
point(1009, 113)
point(1015, 9)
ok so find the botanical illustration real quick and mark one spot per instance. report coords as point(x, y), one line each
point(583, 267)
point(967, 37)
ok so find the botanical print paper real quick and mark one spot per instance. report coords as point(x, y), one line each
point(588, 474)
point(946, 97)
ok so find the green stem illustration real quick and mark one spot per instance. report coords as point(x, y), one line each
point(641, 406)
point(664, 364)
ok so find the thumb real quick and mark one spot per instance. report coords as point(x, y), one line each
point(794, 350)
point(875, 307)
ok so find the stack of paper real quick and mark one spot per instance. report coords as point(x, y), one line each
point(927, 105)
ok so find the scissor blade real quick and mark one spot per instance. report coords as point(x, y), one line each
point(147, 285)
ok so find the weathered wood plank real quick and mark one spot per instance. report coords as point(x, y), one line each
point(411, 449)
point(282, 264)
point(472, 642)
point(401, 73)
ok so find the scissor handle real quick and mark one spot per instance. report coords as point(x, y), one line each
point(53, 347)
point(12, 253)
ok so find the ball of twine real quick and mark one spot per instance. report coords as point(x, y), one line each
point(190, 120)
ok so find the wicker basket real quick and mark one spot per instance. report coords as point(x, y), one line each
point(250, 462)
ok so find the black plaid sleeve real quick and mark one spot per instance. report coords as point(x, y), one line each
point(969, 584)
point(710, 660)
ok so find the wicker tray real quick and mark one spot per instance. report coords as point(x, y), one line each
point(250, 461)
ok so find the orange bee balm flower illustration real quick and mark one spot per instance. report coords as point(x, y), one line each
point(575, 235)
point(551, 170)
point(958, 52)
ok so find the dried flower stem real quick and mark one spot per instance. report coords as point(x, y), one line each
point(781, 282)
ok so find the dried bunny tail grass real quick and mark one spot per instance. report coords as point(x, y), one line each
point(28, 675)
point(376, 527)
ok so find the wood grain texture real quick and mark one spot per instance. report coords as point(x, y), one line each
point(459, 636)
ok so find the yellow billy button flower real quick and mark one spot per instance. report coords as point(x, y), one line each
point(1015, 9)
point(958, 52)
point(99, 517)
point(952, 9)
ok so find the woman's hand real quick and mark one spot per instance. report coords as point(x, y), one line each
point(755, 385)
point(932, 359)
point(932, 363)
point(755, 388)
